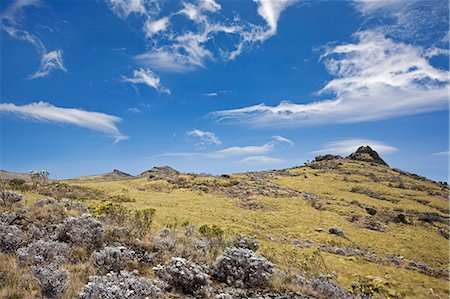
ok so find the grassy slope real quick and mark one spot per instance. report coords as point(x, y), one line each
point(288, 219)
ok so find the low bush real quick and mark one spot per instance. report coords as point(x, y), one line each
point(184, 275)
point(52, 280)
point(43, 252)
point(241, 267)
point(120, 285)
point(83, 231)
point(112, 258)
point(10, 237)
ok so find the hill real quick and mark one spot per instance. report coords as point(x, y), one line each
point(369, 226)
point(111, 176)
point(6, 176)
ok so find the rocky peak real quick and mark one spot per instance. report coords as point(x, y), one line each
point(367, 154)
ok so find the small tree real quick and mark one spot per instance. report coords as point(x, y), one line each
point(39, 177)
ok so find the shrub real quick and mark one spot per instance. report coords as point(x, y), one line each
point(246, 242)
point(41, 252)
point(210, 232)
point(119, 285)
point(371, 211)
point(112, 258)
point(52, 280)
point(184, 276)
point(111, 212)
point(325, 286)
point(10, 237)
point(141, 220)
point(401, 218)
point(16, 183)
point(8, 198)
point(83, 231)
point(241, 267)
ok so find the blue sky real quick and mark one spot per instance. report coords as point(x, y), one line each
point(222, 86)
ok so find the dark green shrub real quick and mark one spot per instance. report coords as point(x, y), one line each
point(371, 211)
point(211, 232)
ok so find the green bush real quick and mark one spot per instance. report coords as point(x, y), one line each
point(211, 232)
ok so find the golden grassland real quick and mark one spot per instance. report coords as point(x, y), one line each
point(288, 219)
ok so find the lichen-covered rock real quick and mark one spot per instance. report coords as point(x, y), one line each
point(112, 258)
point(184, 276)
point(241, 267)
point(10, 237)
point(52, 280)
point(83, 231)
point(246, 242)
point(42, 252)
point(120, 285)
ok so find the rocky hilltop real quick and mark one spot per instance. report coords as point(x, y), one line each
point(367, 154)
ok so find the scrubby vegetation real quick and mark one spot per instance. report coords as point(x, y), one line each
point(333, 228)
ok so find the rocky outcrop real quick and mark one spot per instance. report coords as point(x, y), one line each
point(367, 154)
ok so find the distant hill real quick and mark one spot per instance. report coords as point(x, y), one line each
point(6, 176)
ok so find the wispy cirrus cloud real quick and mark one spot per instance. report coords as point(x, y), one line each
point(10, 23)
point(374, 78)
point(236, 151)
point(413, 21)
point(147, 77)
point(205, 137)
point(50, 61)
point(185, 39)
point(348, 146)
point(265, 160)
point(441, 154)
point(45, 112)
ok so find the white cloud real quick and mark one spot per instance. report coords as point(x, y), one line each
point(146, 77)
point(190, 43)
point(165, 60)
point(261, 160)
point(246, 150)
point(282, 139)
point(375, 78)
point(271, 10)
point(153, 27)
point(211, 94)
point(123, 8)
point(45, 112)
point(415, 21)
point(250, 150)
point(10, 23)
point(133, 110)
point(371, 6)
point(205, 137)
point(348, 146)
point(442, 154)
point(50, 61)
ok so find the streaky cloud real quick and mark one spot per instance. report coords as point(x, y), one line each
point(147, 77)
point(45, 112)
point(375, 78)
point(347, 146)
